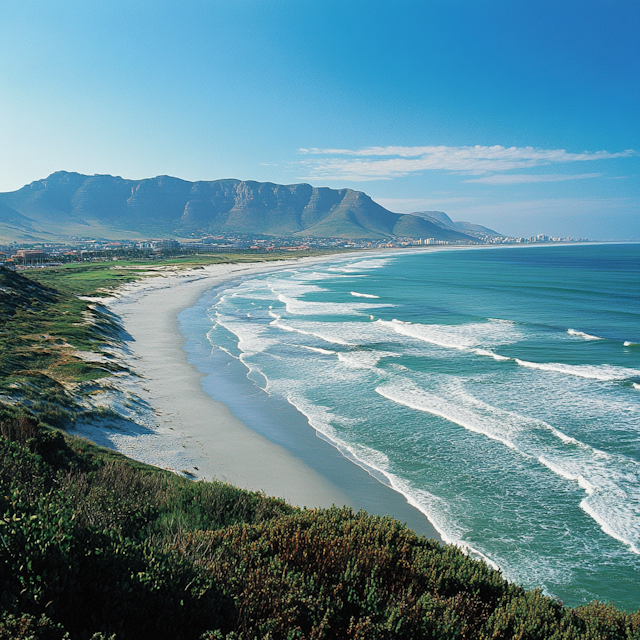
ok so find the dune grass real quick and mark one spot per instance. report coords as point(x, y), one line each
point(44, 333)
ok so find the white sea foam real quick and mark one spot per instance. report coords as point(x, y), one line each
point(362, 265)
point(363, 295)
point(364, 359)
point(410, 396)
point(322, 418)
point(345, 333)
point(565, 438)
point(314, 276)
point(607, 481)
point(435, 508)
point(377, 464)
point(231, 355)
point(325, 352)
point(614, 523)
point(604, 372)
point(560, 471)
point(253, 289)
point(611, 482)
point(437, 513)
point(252, 338)
point(583, 335)
point(491, 354)
point(462, 337)
point(326, 338)
point(305, 308)
point(292, 287)
point(626, 343)
point(468, 550)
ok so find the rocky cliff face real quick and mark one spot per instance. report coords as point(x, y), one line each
point(74, 203)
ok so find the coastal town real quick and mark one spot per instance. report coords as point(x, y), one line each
point(41, 255)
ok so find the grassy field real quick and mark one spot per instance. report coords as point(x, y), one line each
point(101, 278)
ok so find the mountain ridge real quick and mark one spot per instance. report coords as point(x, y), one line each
point(442, 219)
point(69, 203)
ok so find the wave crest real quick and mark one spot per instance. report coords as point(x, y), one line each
point(604, 372)
point(583, 335)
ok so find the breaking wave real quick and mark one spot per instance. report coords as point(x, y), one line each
point(582, 334)
point(604, 372)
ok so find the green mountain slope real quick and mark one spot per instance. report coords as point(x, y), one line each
point(110, 206)
point(11, 218)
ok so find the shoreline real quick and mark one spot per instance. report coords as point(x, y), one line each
point(186, 430)
point(171, 422)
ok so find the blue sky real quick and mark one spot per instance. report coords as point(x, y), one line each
point(522, 115)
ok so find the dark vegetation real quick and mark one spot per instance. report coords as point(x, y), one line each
point(96, 546)
point(93, 543)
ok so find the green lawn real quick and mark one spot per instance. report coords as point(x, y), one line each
point(99, 278)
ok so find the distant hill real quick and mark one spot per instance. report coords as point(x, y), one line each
point(104, 206)
point(12, 218)
point(441, 219)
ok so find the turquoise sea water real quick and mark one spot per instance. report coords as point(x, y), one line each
point(498, 390)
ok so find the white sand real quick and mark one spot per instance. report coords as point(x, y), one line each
point(170, 422)
point(173, 423)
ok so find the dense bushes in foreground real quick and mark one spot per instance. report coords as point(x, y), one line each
point(94, 545)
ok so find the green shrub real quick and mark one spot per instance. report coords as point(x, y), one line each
point(97, 547)
point(28, 627)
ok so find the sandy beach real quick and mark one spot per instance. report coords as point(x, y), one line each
point(173, 423)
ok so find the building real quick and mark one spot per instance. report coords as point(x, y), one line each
point(30, 256)
point(165, 245)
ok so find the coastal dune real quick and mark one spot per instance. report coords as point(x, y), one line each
point(180, 427)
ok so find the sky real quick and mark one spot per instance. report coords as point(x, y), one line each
point(521, 115)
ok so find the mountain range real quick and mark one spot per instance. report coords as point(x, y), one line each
point(441, 219)
point(68, 205)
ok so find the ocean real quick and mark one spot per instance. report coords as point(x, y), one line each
point(498, 390)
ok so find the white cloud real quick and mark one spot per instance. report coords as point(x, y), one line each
point(518, 178)
point(385, 163)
